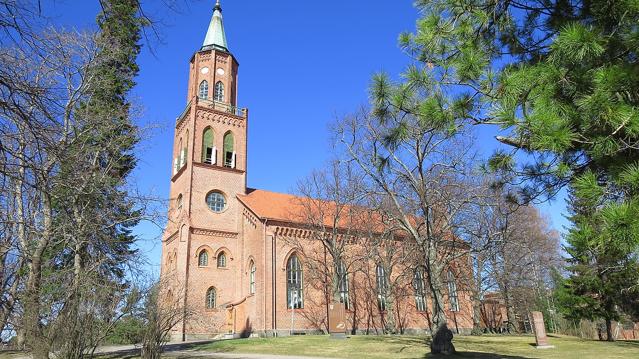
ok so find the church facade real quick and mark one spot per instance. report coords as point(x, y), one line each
point(226, 249)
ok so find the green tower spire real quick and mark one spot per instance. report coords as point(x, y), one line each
point(215, 36)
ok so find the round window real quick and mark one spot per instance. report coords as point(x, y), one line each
point(216, 201)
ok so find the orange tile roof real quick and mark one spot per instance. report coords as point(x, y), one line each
point(271, 205)
point(301, 210)
point(294, 209)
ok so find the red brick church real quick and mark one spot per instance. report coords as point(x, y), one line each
point(226, 247)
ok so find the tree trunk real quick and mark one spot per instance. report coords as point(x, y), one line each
point(476, 317)
point(34, 336)
point(609, 336)
point(476, 299)
point(7, 308)
point(442, 339)
point(510, 310)
point(390, 323)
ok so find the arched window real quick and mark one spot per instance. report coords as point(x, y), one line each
point(252, 271)
point(204, 90)
point(219, 91)
point(420, 290)
point(208, 150)
point(216, 201)
point(203, 259)
point(342, 285)
point(229, 153)
point(178, 159)
point(183, 150)
point(178, 202)
point(211, 298)
point(382, 287)
point(294, 292)
point(221, 260)
point(452, 292)
point(186, 148)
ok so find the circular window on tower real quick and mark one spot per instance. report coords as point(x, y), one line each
point(216, 201)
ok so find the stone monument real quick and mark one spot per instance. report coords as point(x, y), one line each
point(442, 341)
point(336, 321)
point(540, 331)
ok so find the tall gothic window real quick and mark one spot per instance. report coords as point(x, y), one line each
point(211, 298)
point(184, 155)
point(203, 259)
point(219, 91)
point(204, 90)
point(252, 271)
point(452, 292)
point(294, 294)
point(382, 287)
point(342, 277)
point(229, 153)
point(208, 150)
point(221, 260)
point(178, 159)
point(420, 290)
point(179, 201)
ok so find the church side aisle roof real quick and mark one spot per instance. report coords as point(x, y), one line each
point(272, 205)
point(302, 210)
point(298, 210)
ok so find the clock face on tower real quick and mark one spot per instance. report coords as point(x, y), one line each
point(204, 70)
point(220, 72)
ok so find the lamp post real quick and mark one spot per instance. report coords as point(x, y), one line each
point(293, 303)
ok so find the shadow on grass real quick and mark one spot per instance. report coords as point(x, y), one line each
point(407, 342)
point(478, 355)
point(470, 354)
point(631, 344)
point(135, 352)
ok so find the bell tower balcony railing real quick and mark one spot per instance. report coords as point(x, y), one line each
point(216, 105)
point(223, 107)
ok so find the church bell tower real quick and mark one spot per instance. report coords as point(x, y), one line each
point(208, 170)
point(209, 162)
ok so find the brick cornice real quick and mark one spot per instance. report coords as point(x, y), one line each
point(170, 238)
point(216, 167)
point(179, 173)
point(213, 115)
point(183, 120)
point(213, 232)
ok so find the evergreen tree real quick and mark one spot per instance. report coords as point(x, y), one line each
point(98, 209)
point(602, 252)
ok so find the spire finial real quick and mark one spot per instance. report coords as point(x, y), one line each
point(217, 5)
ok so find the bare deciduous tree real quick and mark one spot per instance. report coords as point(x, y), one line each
point(423, 172)
point(163, 309)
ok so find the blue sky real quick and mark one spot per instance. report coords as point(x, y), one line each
point(302, 64)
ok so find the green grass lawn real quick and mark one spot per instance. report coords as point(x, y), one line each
point(487, 346)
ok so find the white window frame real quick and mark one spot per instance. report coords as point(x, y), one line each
point(294, 283)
